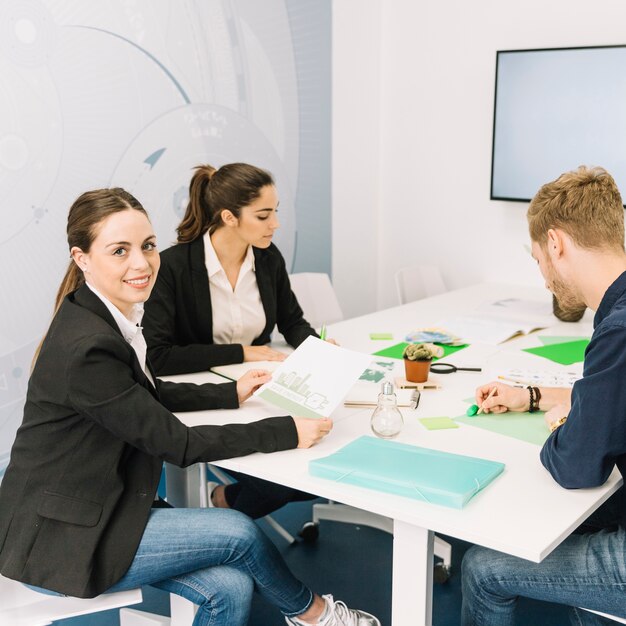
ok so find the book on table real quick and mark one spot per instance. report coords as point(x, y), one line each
point(501, 320)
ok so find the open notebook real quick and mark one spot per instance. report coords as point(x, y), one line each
point(404, 470)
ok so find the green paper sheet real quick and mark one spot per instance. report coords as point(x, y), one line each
point(380, 336)
point(438, 423)
point(395, 352)
point(549, 340)
point(563, 353)
point(528, 427)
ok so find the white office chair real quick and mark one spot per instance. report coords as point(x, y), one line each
point(418, 281)
point(319, 303)
point(317, 298)
point(22, 606)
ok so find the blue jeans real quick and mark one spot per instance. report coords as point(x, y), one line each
point(587, 570)
point(216, 558)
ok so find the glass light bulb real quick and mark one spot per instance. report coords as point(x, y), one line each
point(387, 421)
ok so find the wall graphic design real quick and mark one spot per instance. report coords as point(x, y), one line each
point(135, 93)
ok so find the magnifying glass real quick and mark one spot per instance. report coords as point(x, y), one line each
point(448, 368)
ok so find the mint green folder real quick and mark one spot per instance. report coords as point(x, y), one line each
point(405, 470)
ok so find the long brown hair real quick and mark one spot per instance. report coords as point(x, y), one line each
point(86, 214)
point(211, 191)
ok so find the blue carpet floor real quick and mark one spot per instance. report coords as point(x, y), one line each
point(354, 564)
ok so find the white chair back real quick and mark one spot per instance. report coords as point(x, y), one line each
point(317, 298)
point(417, 282)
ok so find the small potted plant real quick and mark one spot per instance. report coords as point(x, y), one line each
point(417, 358)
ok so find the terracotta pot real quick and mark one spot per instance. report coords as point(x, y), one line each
point(416, 371)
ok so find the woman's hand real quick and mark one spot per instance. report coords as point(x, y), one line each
point(311, 430)
point(250, 382)
point(262, 353)
point(505, 398)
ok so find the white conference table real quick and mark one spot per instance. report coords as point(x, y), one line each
point(522, 513)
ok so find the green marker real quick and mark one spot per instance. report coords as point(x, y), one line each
point(472, 410)
point(323, 332)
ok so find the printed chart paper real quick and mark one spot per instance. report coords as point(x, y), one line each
point(314, 379)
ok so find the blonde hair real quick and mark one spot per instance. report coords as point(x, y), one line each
point(585, 204)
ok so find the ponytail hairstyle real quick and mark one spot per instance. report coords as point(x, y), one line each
point(86, 214)
point(211, 191)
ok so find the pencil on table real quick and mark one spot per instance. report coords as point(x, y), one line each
point(513, 380)
point(487, 398)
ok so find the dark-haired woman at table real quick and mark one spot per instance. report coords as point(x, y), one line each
point(221, 291)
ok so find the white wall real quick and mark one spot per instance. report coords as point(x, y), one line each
point(435, 101)
point(356, 153)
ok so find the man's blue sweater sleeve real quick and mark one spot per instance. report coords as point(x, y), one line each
point(582, 452)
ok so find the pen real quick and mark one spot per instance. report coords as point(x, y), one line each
point(513, 380)
point(487, 398)
point(415, 399)
point(323, 332)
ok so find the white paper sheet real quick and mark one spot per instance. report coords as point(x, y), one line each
point(314, 379)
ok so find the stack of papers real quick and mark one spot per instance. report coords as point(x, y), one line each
point(501, 320)
point(432, 335)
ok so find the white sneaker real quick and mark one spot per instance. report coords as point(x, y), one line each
point(338, 614)
point(210, 486)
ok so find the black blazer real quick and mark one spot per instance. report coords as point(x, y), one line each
point(178, 321)
point(87, 458)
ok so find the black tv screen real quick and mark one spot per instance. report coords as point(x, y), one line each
point(556, 109)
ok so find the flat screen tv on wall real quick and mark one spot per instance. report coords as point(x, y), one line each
point(556, 109)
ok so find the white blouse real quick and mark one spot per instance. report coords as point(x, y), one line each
point(130, 328)
point(238, 314)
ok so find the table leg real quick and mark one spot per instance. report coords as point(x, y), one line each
point(412, 591)
point(183, 485)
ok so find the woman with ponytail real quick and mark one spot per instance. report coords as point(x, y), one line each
point(224, 287)
point(221, 291)
point(77, 508)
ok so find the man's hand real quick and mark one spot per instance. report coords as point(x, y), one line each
point(505, 398)
point(557, 412)
point(311, 430)
point(250, 382)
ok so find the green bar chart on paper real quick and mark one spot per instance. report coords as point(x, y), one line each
point(528, 427)
point(395, 351)
point(565, 353)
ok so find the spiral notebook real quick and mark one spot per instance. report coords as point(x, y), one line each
point(404, 470)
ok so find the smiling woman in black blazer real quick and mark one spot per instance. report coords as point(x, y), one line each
point(220, 292)
point(76, 514)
